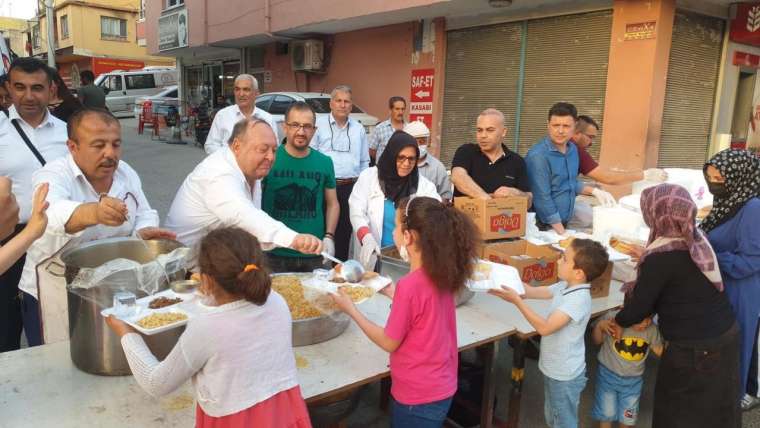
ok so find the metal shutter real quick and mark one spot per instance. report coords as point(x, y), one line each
point(482, 67)
point(690, 90)
point(566, 60)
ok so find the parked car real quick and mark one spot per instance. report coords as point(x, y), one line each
point(161, 101)
point(277, 102)
point(122, 88)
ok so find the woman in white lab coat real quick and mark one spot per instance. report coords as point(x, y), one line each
point(377, 192)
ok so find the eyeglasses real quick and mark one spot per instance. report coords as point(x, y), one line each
point(406, 159)
point(340, 131)
point(307, 127)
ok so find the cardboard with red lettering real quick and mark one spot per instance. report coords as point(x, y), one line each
point(537, 264)
point(497, 218)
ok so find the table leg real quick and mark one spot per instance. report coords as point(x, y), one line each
point(385, 393)
point(518, 374)
point(488, 353)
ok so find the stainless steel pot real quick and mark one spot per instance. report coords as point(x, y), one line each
point(94, 347)
point(309, 331)
point(391, 265)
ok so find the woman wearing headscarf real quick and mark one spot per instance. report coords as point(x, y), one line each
point(733, 228)
point(678, 279)
point(377, 192)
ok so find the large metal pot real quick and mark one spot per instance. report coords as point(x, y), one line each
point(94, 347)
point(391, 265)
point(309, 331)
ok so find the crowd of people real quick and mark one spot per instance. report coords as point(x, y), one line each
point(257, 205)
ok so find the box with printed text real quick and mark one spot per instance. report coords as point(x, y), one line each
point(496, 218)
point(537, 264)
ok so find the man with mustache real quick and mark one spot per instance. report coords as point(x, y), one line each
point(300, 191)
point(246, 90)
point(92, 195)
point(225, 190)
point(29, 137)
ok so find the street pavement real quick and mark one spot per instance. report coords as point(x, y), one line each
point(162, 168)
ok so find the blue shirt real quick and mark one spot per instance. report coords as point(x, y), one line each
point(553, 177)
point(563, 353)
point(389, 223)
point(346, 146)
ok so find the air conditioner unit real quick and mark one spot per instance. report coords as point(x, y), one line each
point(306, 55)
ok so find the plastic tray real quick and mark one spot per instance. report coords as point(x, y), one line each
point(500, 275)
point(189, 306)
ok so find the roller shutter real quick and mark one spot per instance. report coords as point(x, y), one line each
point(482, 67)
point(566, 60)
point(690, 91)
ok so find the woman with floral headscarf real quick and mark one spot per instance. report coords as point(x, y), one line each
point(733, 228)
point(678, 279)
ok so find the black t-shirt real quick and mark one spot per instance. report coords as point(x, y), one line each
point(509, 170)
point(688, 305)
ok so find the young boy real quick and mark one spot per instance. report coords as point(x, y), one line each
point(620, 373)
point(562, 358)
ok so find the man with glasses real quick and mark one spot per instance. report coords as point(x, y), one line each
point(489, 169)
point(586, 130)
point(342, 139)
point(246, 90)
point(378, 139)
point(300, 191)
point(93, 194)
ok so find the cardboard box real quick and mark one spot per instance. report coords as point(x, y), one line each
point(600, 287)
point(496, 218)
point(537, 264)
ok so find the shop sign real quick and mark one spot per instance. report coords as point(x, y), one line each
point(745, 26)
point(421, 99)
point(744, 59)
point(172, 31)
point(104, 65)
point(640, 30)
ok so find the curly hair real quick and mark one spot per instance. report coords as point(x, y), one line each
point(224, 255)
point(448, 240)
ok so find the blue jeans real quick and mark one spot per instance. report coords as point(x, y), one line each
point(429, 415)
point(616, 398)
point(561, 399)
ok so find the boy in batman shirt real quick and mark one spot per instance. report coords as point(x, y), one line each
point(620, 374)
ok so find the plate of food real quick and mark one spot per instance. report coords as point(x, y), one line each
point(162, 311)
point(308, 297)
point(490, 275)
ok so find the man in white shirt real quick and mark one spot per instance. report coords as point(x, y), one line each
point(342, 139)
point(225, 190)
point(379, 137)
point(30, 88)
point(92, 195)
point(246, 90)
point(428, 165)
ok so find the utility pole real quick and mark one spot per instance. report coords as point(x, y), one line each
point(50, 33)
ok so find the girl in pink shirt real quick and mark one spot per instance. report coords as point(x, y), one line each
point(440, 244)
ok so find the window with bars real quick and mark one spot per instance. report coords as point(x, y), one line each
point(174, 3)
point(113, 28)
point(65, 27)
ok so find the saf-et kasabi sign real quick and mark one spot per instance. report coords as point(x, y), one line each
point(745, 26)
point(421, 99)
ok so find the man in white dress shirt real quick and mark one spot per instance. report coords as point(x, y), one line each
point(92, 195)
point(345, 141)
point(246, 90)
point(225, 190)
point(30, 88)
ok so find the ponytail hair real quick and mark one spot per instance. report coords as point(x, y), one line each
point(447, 239)
point(233, 257)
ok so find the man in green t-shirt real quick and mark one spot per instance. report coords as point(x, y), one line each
point(300, 191)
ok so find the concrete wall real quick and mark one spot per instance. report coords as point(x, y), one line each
point(14, 29)
point(376, 62)
point(636, 79)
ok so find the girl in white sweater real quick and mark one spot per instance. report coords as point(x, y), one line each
point(239, 354)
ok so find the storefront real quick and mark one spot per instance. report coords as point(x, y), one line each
point(738, 104)
point(207, 81)
point(522, 68)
